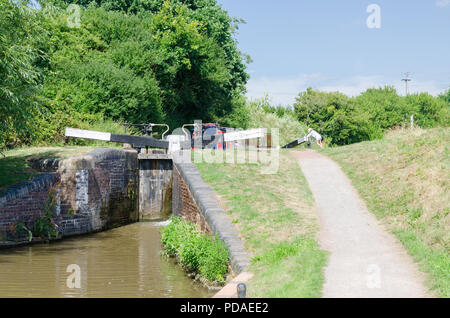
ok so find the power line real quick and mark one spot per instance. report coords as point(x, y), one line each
point(406, 80)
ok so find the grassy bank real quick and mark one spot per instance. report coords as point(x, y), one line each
point(14, 166)
point(404, 179)
point(276, 218)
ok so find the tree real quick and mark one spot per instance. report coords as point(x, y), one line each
point(18, 74)
point(445, 96)
point(315, 108)
point(384, 106)
point(428, 111)
point(183, 50)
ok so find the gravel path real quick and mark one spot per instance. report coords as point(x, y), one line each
point(365, 260)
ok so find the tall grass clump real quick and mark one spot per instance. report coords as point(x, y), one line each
point(197, 252)
point(263, 115)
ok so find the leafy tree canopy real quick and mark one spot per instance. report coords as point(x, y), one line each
point(18, 73)
point(182, 51)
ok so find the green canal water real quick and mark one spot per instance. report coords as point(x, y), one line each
point(123, 262)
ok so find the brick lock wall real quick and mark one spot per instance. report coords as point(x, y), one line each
point(95, 192)
point(183, 204)
point(194, 200)
point(24, 203)
point(101, 189)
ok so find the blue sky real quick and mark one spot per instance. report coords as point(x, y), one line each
point(327, 44)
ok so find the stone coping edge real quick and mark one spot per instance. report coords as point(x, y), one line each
point(215, 216)
point(230, 289)
point(23, 188)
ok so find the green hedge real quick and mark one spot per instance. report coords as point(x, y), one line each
point(345, 120)
point(198, 253)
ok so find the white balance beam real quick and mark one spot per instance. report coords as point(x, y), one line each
point(245, 134)
point(88, 134)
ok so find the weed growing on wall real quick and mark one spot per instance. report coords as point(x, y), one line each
point(43, 227)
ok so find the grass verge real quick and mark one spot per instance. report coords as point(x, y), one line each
point(404, 179)
point(276, 218)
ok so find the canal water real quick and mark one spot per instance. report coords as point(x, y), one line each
point(123, 262)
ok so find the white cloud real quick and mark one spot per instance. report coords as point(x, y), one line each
point(443, 3)
point(417, 86)
point(284, 90)
point(354, 85)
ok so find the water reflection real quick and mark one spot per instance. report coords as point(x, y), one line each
point(123, 262)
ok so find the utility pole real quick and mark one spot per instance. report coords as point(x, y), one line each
point(406, 80)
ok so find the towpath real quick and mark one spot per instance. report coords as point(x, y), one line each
point(365, 261)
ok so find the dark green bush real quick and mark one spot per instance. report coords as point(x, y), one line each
point(100, 87)
point(198, 253)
